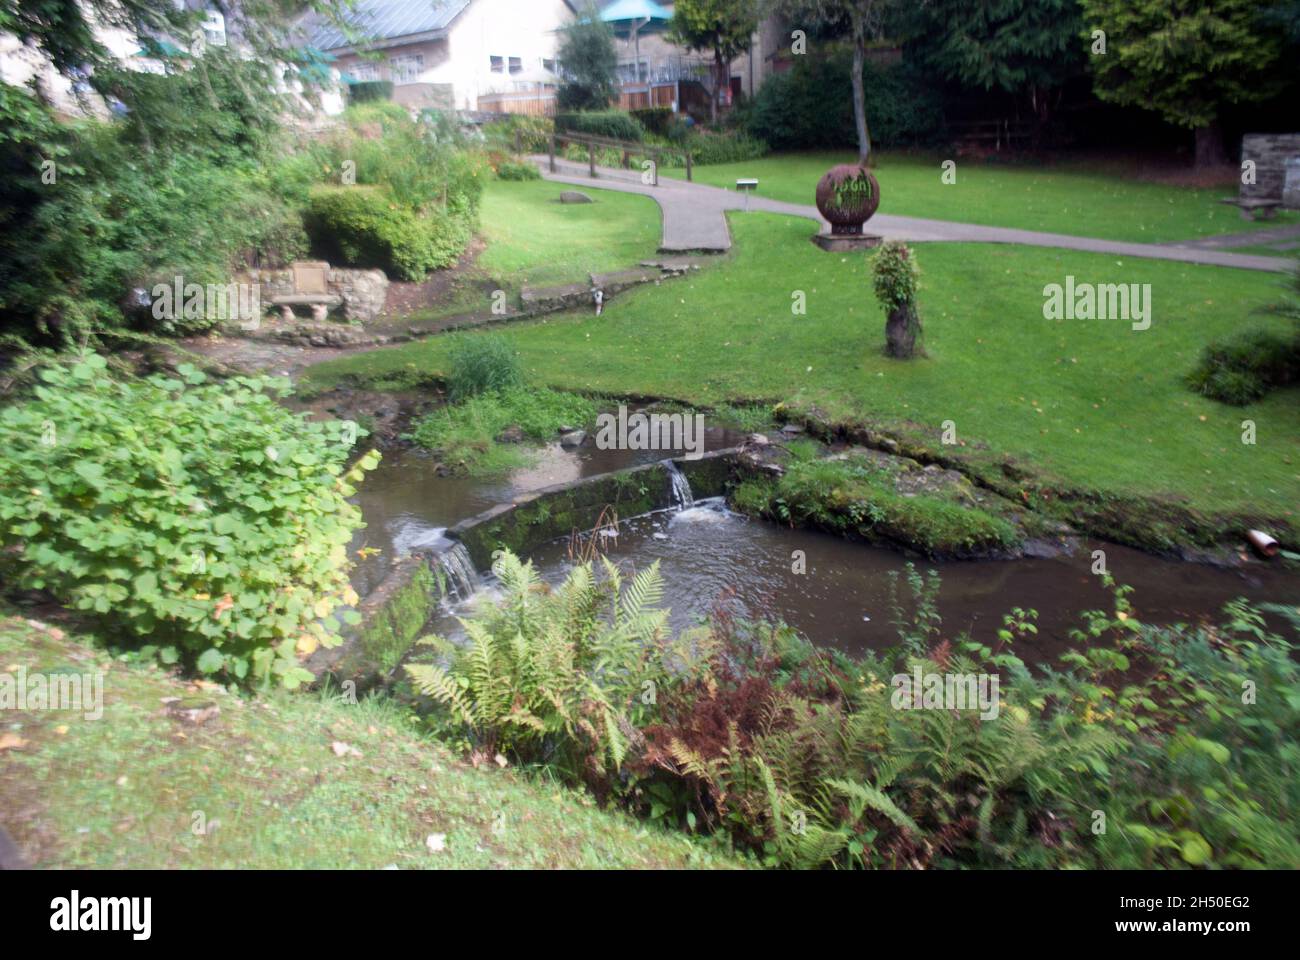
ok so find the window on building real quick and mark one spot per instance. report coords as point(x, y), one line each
point(214, 28)
point(548, 64)
point(498, 64)
point(406, 68)
point(516, 65)
point(364, 71)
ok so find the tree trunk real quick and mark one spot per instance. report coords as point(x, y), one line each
point(718, 78)
point(901, 330)
point(860, 100)
point(1209, 146)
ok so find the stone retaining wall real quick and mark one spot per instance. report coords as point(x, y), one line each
point(1270, 151)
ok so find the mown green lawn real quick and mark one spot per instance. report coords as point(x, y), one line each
point(1091, 401)
point(1060, 198)
point(534, 239)
point(280, 781)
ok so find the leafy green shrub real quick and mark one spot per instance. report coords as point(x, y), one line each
point(730, 147)
point(557, 678)
point(811, 106)
point(1245, 367)
point(614, 124)
point(534, 132)
point(369, 91)
point(203, 519)
point(364, 227)
point(894, 275)
point(476, 364)
point(656, 120)
point(512, 170)
point(465, 433)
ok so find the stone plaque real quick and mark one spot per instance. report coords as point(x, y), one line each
point(311, 276)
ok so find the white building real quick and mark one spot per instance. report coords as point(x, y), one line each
point(451, 54)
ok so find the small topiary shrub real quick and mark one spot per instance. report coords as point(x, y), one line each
point(205, 520)
point(1243, 368)
point(601, 123)
point(476, 364)
point(893, 275)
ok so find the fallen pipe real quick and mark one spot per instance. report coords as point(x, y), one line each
point(1264, 545)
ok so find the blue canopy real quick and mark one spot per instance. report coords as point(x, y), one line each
point(625, 10)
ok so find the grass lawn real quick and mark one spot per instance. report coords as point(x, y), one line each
point(1090, 401)
point(1061, 198)
point(534, 239)
point(122, 791)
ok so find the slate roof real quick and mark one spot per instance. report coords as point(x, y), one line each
point(388, 19)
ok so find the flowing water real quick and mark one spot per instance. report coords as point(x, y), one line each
point(408, 507)
point(834, 591)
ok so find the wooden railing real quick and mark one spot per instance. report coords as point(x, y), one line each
point(628, 148)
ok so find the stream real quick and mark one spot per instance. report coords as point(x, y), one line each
point(712, 558)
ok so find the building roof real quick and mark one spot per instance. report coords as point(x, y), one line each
point(379, 20)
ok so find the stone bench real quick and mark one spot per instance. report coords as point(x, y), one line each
point(1254, 208)
point(321, 304)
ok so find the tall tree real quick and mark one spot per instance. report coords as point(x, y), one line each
point(1025, 47)
point(589, 62)
point(857, 21)
point(1186, 60)
point(725, 27)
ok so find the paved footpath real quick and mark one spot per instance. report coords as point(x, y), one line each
point(694, 220)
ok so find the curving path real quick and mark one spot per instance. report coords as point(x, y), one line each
point(694, 220)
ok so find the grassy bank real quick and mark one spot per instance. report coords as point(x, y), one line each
point(532, 238)
point(1073, 198)
point(1086, 403)
point(283, 781)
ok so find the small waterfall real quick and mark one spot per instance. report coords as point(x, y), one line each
point(682, 495)
point(462, 579)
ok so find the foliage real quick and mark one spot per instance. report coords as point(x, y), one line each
point(811, 105)
point(203, 519)
point(1246, 366)
point(590, 62)
point(1021, 46)
point(1187, 62)
point(517, 170)
point(856, 497)
point(369, 91)
point(534, 132)
point(478, 364)
point(893, 275)
point(656, 120)
point(465, 434)
point(731, 147)
point(364, 226)
point(724, 28)
point(615, 124)
point(559, 678)
point(176, 188)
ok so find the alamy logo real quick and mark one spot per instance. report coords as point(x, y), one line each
point(84, 692)
point(946, 691)
point(1101, 301)
point(653, 431)
point(72, 914)
point(195, 301)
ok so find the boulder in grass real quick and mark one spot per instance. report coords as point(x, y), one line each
point(575, 196)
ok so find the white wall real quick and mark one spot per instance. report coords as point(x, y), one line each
point(507, 28)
